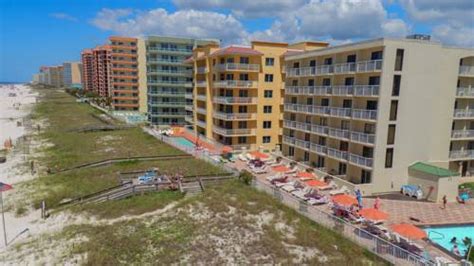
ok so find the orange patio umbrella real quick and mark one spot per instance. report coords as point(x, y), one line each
point(315, 183)
point(409, 231)
point(281, 168)
point(305, 175)
point(259, 155)
point(373, 214)
point(344, 200)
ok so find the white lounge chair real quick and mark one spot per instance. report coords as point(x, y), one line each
point(259, 170)
point(301, 193)
point(342, 190)
point(242, 157)
point(273, 177)
point(313, 201)
point(281, 184)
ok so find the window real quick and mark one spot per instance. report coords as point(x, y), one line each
point(244, 60)
point(365, 177)
point(349, 81)
point(342, 169)
point(306, 156)
point(242, 140)
point(269, 61)
point(268, 94)
point(325, 102)
point(291, 151)
point(320, 162)
point(328, 61)
point(266, 139)
point(399, 60)
point(345, 125)
point(326, 82)
point(242, 93)
point(312, 63)
point(367, 152)
point(267, 124)
point(268, 77)
point(244, 76)
point(393, 110)
point(396, 85)
point(242, 109)
point(267, 109)
point(296, 65)
point(351, 58)
point(376, 55)
point(310, 82)
point(242, 124)
point(343, 146)
point(371, 105)
point(347, 103)
point(391, 135)
point(389, 158)
point(375, 80)
point(322, 141)
point(369, 128)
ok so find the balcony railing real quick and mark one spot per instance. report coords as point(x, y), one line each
point(461, 154)
point(360, 160)
point(201, 97)
point(356, 90)
point(235, 100)
point(340, 112)
point(188, 108)
point(466, 70)
point(233, 132)
point(463, 113)
point(289, 140)
point(189, 119)
point(168, 82)
point(338, 154)
point(188, 96)
point(342, 90)
point(339, 133)
point(369, 66)
point(362, 137)
point(234, 116)
point(302, 144)
point(169, 72)
point(319, 149)
point(167, 103)
point(164, 61)
point(465, 92)
point(462, 134)
point(201, 84)
point(168, 49)
point(308, 90)
point(168, 113)
point(364, 114)
point(201, 70)
point(201, 123)
point(235, 84)
point(201, 110)
point(237, 66)
point(167, 93)
point(366, 90)
point(341, 68)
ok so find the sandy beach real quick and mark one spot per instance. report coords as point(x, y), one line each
point(16, 102)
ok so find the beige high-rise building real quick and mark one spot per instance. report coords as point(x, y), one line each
point(383, 113)
point(72, 74)
point(238, 93)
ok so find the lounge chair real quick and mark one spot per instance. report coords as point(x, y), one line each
point(273, 177)
point(291, 171)
point(282, 179)
point(242, 158)
point(342, 190)
point(281, 184)
point(301, 193)
point(318, 201)
point(249, 156)
point(291, 187)
point(259, 170)
point(354, 218)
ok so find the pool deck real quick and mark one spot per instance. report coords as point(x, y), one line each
point(400, 211)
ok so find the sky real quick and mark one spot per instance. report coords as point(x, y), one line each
point(49, 32)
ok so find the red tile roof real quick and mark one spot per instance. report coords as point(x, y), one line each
point(236, 50)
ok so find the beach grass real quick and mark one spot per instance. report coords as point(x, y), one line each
point(224, 222)
point(69, 148)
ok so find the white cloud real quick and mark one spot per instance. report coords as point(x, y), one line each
point(188, 23)
point(395, 28)
point(244, 8)
point(63, 16)
point(454, 35)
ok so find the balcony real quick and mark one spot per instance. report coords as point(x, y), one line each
point(238, 67)
point(362, 138)
point(342, 90)
point(234, 116)
point(289, 140)
point(165, 61)
point(170, 82)
point(233, 132)
point(235, 100)
point(308, 90)
point(466, 70)
point(201, 70)
point(343, 68)
point(319, 149)
point(188, 108)
point(340, 112)
point(339, 133)
point(461, 155)
point(360, 160)
point(167, 93)
point(305, 145)
point(364, 114)
point(201, 110)
point(189, 119)
point(369, 66)
point(467, 92)
point(169, 114)
point(462, 134)
point(366, 90)
point(235, 84)
point(168, 72)
point(201, 97)
point(346, 91)
point(338, 154)
point(166, 104)
point(464, 113)
point(201, 84)
point(201, 123)
point(169, 50)
point(188, 96)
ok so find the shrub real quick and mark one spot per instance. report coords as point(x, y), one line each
point(246, 177)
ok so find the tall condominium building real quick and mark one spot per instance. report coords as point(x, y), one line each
point(124, 75)
point(168, 77)
point(53, 75)
point(374, 111)
point(101, 84)
point(238, 93)
point(72, 74)
point(87, 59)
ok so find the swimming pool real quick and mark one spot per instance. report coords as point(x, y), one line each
point(442, 235)
point(183, 142)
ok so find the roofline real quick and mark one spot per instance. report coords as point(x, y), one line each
point(123, 38)
point(147, 37)
point(271, 43)
point(311, 42)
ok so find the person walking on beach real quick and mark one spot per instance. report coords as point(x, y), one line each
point(445, 200)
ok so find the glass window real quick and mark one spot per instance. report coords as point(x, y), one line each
point(268, 94)
point(267, 124)
point(393, 110)
point(266, 139)
point(391, 135)
point(267, 109)
point(365, 177)
point(244, 60)
point(396, 85)
point(399, 60)
point(389, 158)
point(268, 77)
point(269, 61)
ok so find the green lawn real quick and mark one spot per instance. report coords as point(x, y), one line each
point(468, 185)
point(190, 232)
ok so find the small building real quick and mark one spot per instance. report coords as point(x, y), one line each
point(435, 181)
